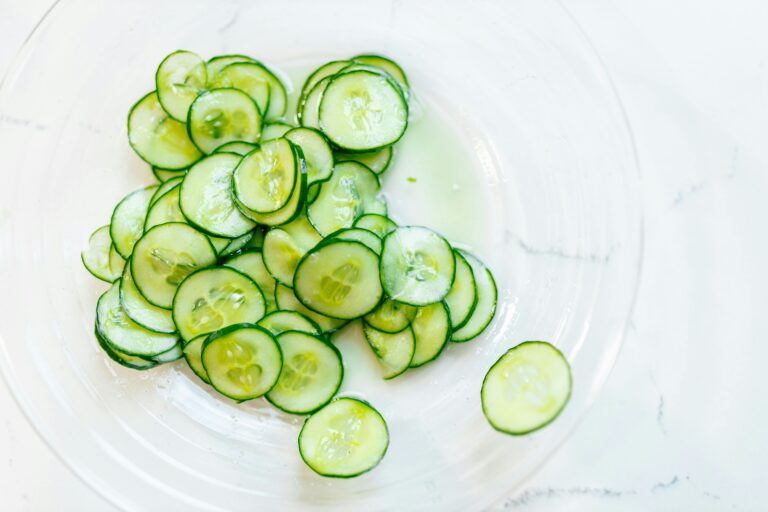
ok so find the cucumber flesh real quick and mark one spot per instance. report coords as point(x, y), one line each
point(391, 316)
point(380, 225)
point(164, 175)
point(127, 223)
point(377, 161)
point(462, 298)
point(179, 79)
point(286, 299)
point(279, 322)
point(238, 147)
point(431, 331)
point(388, 65)
point(486, 301)
point(192, 354)
point(127, 360)
point(251, 263)
point(309, 109)
point(284, 248)
point(140, 310)
point(216, 64)
point(220, 116)
point(394, 351)
point(265, 179)
point(97, 257)
point(248, 77)
point(363, 236)
point(274, 130)
point(326, 70)
point(317, 153)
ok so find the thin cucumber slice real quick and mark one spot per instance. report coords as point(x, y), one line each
point(123, 334)
point(116, 262)
point(213, 298)
point(165, 209)
point(311, 375)
point(417, 266)
point(431, 331)
point(265, 178)
point(237, 244)
point(527, 388)
point(179, 79)
point(139, 310)
point(164, 175)
point(377, 161)
point(129, 361)
point(285, 246)
point(248, 77)
point(352, 191)
point(257, 241)
point(127, 224)
point(165, 187)
point(206, 197)
point(192, 353)
point(486, 301)
point(242, 361)
point(96, 257)
point(278, 97)
point(251, 264)
point(287, 213)
point(316, 151)
point(279, 322)
point(275, 130)
point(388, 65)
point(165, 256)
point(169, 356)
point(223, 115)
point(345, 438)
point(326, 70)
point(238, 147)
point(362, 111)
point(363, 236)
point(159, 140)
point(380, 225)
point(286, 299)
point(391, 316)
point(394, 351)
point(219, 244)
point(216, 64)
point(339, 279)
point(462, 298)
point(313, 192)
point(309, 109)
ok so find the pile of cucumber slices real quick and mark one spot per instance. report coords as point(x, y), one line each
point(264, 236)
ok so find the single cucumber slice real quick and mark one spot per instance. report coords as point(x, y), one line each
point(237, 244)
point(213, 298)
point(265, 178)
point(339, 279)
point(394, 351)
point(527, 388)
point(127, 224)
point(165, 256)
point(127, 360)
point(309, 109)
point(116, 262)
point(345, 438)
point(242, 361)
point(216, 64)
point(249, 77)
point(275, 130)
point(166, 187)
point(287, 213)
point(462, 298)
point(486, 301)
point(352, 191)
point(125, 335)
point(192, 353)
point(311, 375)
point(417, 266)
point(159, 140)
point(164, 175)
point(169, 356)
point(96, 257)
point(316, 151)
point(285, 246)
point(380, 225)
point(140, 310)
point(326, 70)
point(388, 65)
point(286, 299)
point(377, 161)
point(363, 236)
point(238, 147)
point(251, 264)
point(431, 331)
point(362, 111)
point(180, 78)
point(391, 316)
point(165, 209)
point(206, 197)
point(312, 193)
point(278, 97)
point(223, 115)
point(279, 322)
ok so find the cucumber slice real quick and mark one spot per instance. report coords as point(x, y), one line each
point(216, 64)
point(345, 438)
point(275, 130)
point(284, 247)
point(223, 115)
point(287, 213)
point(238, 147)
point(394, 351)
point(326, 70)
point(165, 209)
point(159, 140)
point(352, 191)
point(527, 388)
point(249, 77)
point(431, 331)
point(123, 334)
point(391, 316)
point(388, 65)
point(417, 266)
point(129, 361)
point(278, 97)
point(339, 279)
point(358, 235)
point(169, 356)
point(462, 298)
point(179, 79)
point(251, 264)
point(97, 257)
point(166, 187)
point(317, 153)
point(311, 375)
point(139, 310)
point(242, 361)
point(164, 175)
point(192, 353)
point(380, 225)
point(165, 256)
point(377, 161)
point(213, 298)
point(266, 178)
point(486, 301)
point(206, 197)
point(310, 108)
point(127, 223)
point(279, 322)
point(362, 111)
point(286, 299)
point(237, 244)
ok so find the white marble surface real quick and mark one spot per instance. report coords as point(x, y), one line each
point(681, 422)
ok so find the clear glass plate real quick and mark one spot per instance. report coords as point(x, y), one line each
point(530, 162)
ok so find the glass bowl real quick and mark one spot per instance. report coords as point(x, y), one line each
point(530, 163)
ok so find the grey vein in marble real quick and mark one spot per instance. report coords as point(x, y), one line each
point(663, 486)
point(558, 252)
point(535, 494)
point(21, 122)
